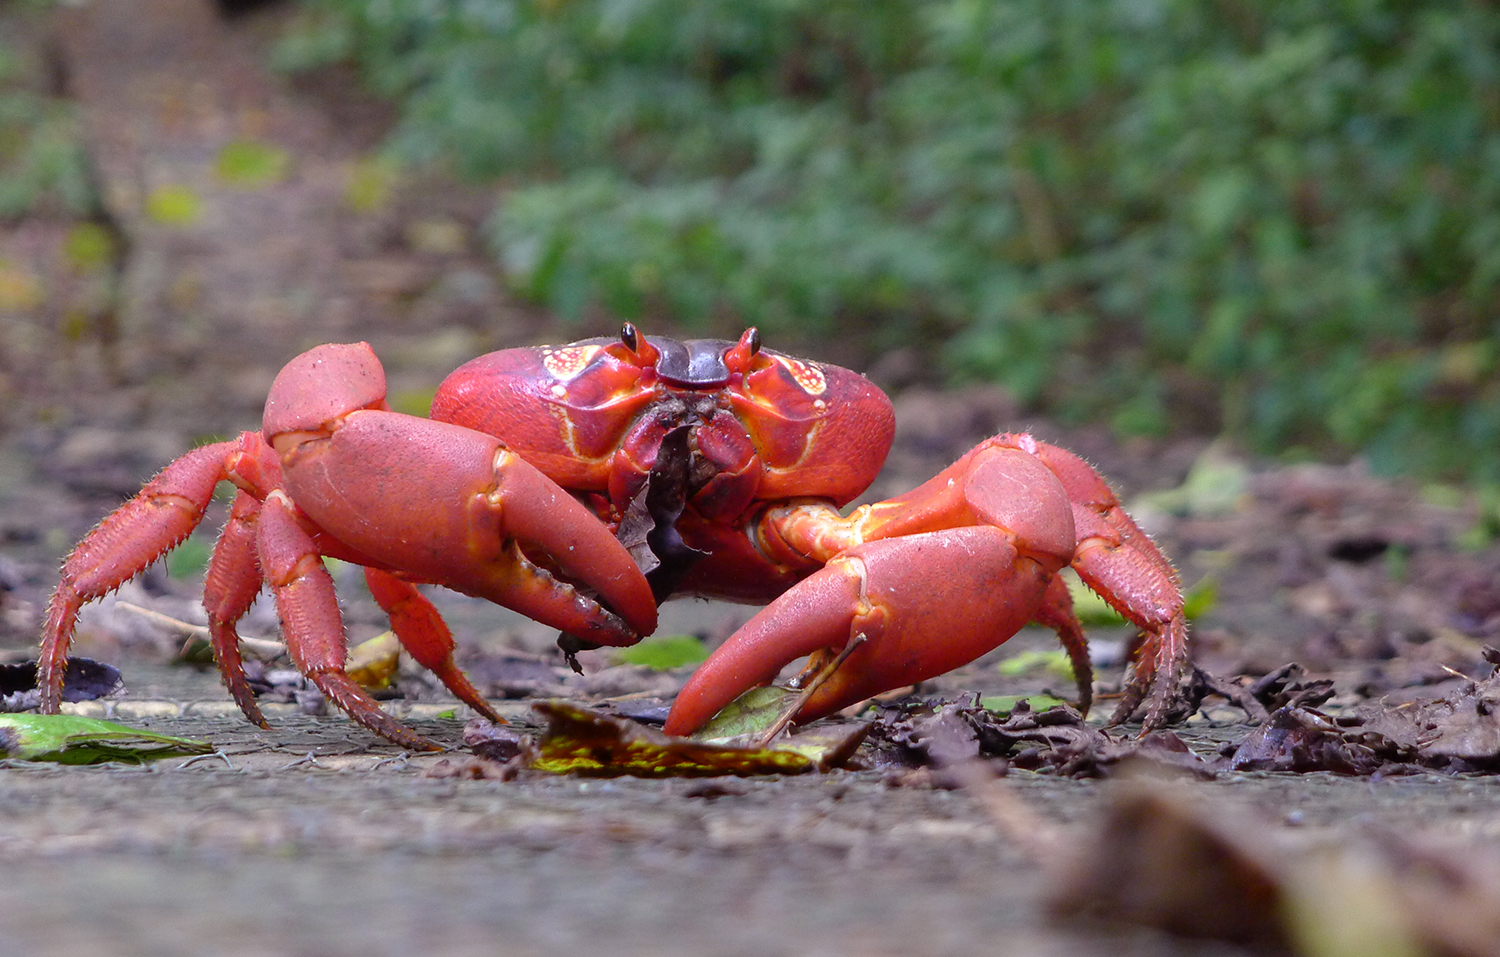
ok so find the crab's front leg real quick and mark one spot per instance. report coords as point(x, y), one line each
point(947, 572)
point(436, 502)
point(419, 501)
point(1120, 562)
point(937, 592)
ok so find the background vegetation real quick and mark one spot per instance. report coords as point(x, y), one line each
point(43, 166)
point(1277, 220)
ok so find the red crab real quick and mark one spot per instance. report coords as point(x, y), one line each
point(583, 484)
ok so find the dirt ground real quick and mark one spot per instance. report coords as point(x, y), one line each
point(316, 838)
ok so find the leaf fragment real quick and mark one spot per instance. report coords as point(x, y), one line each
point(580, 741)
point(373, 663)
point(664, 653)
point(752, 713)
point(72, 739)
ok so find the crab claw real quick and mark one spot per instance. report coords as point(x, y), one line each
point(923, 605)
point(457, 507)
point(447, 504)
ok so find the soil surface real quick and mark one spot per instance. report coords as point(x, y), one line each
point(317, 838)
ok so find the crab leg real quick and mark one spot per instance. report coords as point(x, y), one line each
point(1056, 612)
point(123, 545)
point(1119, 561)
point(425, 636)
point(1034, 508)
point(311, 622)
point(229, 589)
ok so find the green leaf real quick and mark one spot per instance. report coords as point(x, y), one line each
point(1006, 703)
point(250, 164)
point(174, 205)
point(69, 739)
point(664, 653)
point(752, 713)
point(1055, 661)
point(1200, 599)
point(89, 247)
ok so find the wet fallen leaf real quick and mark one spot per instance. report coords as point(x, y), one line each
point(580, 741)
point(70, 739)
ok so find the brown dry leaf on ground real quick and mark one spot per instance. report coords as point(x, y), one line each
point(1305, 740)
point(1218, 872)
point(949, 735)
point(1458, 732)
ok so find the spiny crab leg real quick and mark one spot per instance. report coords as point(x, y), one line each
point(425, 636)
point(1119, 561)
point(230, 587)
point(334, 473)
point(311, 622)
point(130, 538)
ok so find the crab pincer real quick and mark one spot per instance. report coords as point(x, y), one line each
point(423, 501)
point(447, 504)
point(973, 588)
point(935, 578)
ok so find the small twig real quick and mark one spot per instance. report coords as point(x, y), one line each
point(401, 761)
point(263, 647)
point(165, 620)
point(817, 682)
point(308, 758)
point(206, 757)
point(1236, 695)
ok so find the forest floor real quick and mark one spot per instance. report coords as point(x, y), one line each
point(315, 837)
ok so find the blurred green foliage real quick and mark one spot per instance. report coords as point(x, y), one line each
point(1282, 220)
point(43, 165)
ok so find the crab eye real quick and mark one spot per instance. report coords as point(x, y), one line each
point(629, 337)
point(737, 358)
